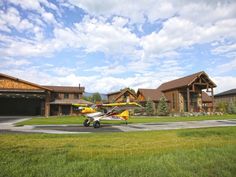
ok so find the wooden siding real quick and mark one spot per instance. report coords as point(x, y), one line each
point(60, 96)
point(173, 97)
point(226, 99)
point(11, 84)
point(140, 97)
point(130, 98)
point(111, 98)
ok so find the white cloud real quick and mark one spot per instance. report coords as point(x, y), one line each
point(11, 62)
point(224, 49)
point(12, 19)
point(36, 5)
point(95, 35)
point(110, 28)
point(180, 33)
point(49, 18)
point(200, 11)
point(119, 21)
point(224, 83)
point(226, 67)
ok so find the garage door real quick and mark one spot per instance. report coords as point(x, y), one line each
point(20, 106)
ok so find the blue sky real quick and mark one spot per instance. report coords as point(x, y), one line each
point(108, 45)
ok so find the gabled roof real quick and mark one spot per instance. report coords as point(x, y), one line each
point(114, 93)
point(123, 92)
point(228, 92)
point(25, 82)
point(67, 89)
point(153, 94)
point(206, 97)
point(183, 82)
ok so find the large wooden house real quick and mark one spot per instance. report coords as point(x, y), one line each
point(183, 94)
point(20, 97)
point(193, 93)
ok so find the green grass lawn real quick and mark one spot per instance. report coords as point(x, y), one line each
point(80, 119)
point(209, 152)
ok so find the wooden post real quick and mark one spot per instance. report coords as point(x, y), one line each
point(71, 110)
point(59, 110)
point(212, 96)
point(188, 99)
point(47, 105)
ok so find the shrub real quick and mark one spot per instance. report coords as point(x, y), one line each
point(231, 109)
point(222, 107)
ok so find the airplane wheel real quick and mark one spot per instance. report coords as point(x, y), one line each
point(96, 124)
point(86, 123)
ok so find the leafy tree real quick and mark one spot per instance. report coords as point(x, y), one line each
point(231, 109)
point(149, 107)
point(87, 98)
point(162, 108)
point(96, 97)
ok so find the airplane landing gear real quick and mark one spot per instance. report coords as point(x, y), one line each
point(86, 123)
point(96, 124)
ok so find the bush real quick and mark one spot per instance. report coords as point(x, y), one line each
point(231, 109)
point(222, 107)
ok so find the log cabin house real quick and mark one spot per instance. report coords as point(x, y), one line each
point(183, 94)
point(186, 94)
point(20, 97)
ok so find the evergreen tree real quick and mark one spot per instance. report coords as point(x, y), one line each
point(149, 107)
point(162, 107)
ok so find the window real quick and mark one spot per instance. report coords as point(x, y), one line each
point(76, 96)
point(66, 95)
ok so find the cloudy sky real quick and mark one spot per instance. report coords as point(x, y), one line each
point(106, 45)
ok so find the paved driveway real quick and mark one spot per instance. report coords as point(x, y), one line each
point(5, 119)
point(73, 129)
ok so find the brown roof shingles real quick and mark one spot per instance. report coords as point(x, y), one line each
point(153, 94)
point(206, 98)
point(67, 89)
point(182, 82)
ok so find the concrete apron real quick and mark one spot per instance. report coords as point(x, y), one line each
point(9, 126)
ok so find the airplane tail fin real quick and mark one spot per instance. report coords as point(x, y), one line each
point(124, 115)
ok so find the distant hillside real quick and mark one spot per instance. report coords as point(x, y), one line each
point(104, 96)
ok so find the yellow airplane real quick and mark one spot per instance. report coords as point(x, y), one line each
point(112, 111)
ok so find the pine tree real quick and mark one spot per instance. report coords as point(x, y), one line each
point(162, 107)
point(149, 107)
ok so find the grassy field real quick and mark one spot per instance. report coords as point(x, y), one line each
point(207, 152)
point(80, 119)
